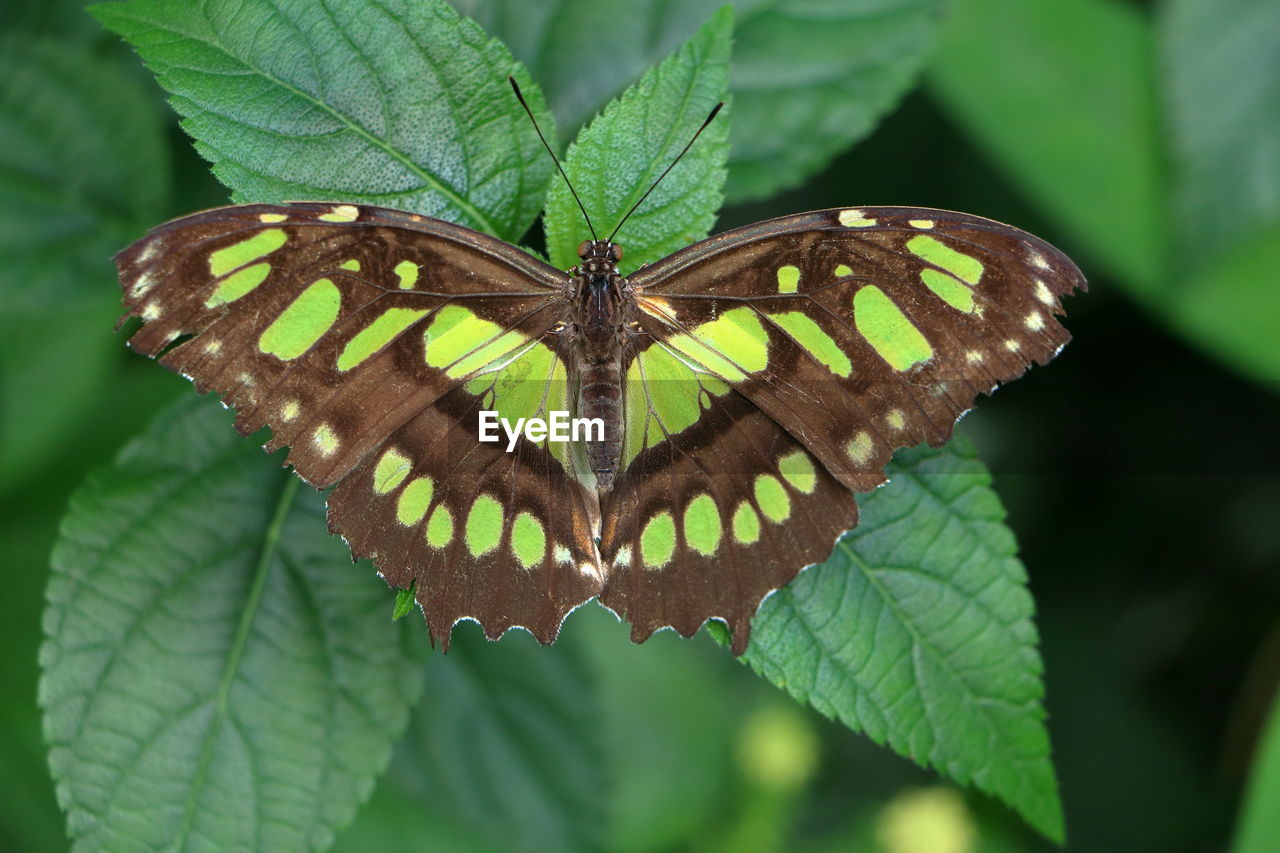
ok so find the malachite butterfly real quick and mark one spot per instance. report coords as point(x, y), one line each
point(743, 389)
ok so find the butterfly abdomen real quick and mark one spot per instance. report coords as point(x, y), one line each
point(600, 396)
point(600, 374)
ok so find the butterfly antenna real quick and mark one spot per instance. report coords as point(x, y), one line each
point(515, 86)
point(654, 185)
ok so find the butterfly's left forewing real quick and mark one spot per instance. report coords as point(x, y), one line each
point(862, 330)
point(369, 340)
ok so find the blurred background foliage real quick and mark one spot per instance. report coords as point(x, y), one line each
point(1141, 472)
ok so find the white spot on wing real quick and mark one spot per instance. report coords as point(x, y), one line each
point(324, 439)
point(1042, 293)
point(342, 213)
point(854, 218)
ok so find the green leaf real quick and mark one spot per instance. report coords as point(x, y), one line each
point(406, 600)
point(810, 77)
point(83, 168)
point(618, 157)
point(1077, 125)
point(1222, 72)
point(1061, 94)
point(664, 707)
point(1223, 82)
point(405, 106)
point(216, 673)
point(918, 632)
point(570, 747)
point(507, 744)
point(1229, 307)
point(1259, 825)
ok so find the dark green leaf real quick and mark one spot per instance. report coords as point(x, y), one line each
point(918, 632)
point(810, 77)
point(29, 815)
point(74, 344)
point(667, 728)
point(216, 672)
point(83, 168)
point(1060, 93)
point(546, 746)
point(395, 819)
point(400, 104)
point(618, 157)
point(506, 743)
point(65, 19)
point(1222, 73)
point(1223, 78)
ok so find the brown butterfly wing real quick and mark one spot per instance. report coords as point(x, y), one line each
point(814, 345)
point(368, 339)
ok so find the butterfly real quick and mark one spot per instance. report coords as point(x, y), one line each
point(732, 396)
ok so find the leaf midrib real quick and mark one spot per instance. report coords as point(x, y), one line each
point(262, 569)
point(920, 641)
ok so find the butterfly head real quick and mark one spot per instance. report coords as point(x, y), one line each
point(599, 257)
point(599, 296)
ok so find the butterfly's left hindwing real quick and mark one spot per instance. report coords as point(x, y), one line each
point(719, 506)
point(368, 340)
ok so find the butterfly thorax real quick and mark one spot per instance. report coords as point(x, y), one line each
point(600, 324)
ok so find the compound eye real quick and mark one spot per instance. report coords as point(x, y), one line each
point(615, 252)
point(583, 248)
